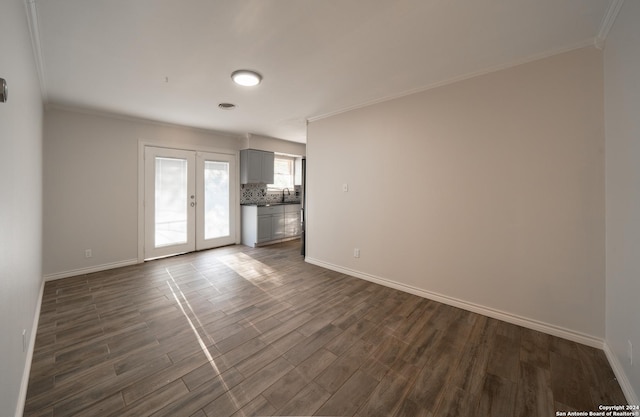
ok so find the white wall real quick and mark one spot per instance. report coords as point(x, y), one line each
point(622, 121)
point(266, 143)
point(91, 183)
point(20, 202)
point(488, 191)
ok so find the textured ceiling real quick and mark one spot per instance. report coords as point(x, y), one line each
point(170, 60)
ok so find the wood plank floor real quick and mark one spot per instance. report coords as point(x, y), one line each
point(238, 331)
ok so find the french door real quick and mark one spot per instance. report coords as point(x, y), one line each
point(189, 201)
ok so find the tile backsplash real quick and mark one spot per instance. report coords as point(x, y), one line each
point(259, 194)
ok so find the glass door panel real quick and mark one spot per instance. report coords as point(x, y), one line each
point(171, 208)
point(216, 175)
point(169, 202)
point(216, 199)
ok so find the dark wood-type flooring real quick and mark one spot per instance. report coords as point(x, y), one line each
point(241, 331)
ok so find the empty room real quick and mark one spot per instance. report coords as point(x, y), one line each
point(332, 208)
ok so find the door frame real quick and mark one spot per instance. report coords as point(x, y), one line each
point(142, 143)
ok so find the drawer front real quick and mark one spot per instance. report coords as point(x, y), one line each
point(270, 210)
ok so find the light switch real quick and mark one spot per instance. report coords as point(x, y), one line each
point(345, 187)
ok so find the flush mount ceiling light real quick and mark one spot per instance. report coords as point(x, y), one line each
point(246, 78)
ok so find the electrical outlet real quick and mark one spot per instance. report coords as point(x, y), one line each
point(87, 253)
point(630, 352)
point(356, 252)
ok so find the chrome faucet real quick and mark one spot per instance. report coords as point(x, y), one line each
point(288, 193)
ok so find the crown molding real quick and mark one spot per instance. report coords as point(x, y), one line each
point(607, 22)
point(525, 60)
point(139, 119)
point(34, 29)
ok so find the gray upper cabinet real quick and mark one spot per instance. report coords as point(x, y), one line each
point(256, 167)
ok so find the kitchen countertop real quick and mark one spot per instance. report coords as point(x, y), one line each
point(270, 204)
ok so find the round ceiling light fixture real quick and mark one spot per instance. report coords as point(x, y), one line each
point(246, 78)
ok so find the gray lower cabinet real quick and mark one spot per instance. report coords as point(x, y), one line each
point(264, 229)
point(277, 227)
point(262, 225)
point(292, 219)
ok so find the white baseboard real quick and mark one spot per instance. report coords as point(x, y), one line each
point(89, 270)
point(621, 376)
point(551, 329)
point(22, 397)
point(564, 333)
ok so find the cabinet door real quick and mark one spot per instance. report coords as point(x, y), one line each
point(268, 160)
point(277, 226)
point(254, 160)
point(256, 167)
point(250, 166)
point(297, 224)
point(292, 224)
point(264, 228)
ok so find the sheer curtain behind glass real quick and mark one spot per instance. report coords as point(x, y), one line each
point(171, 201)
point(216, 199)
